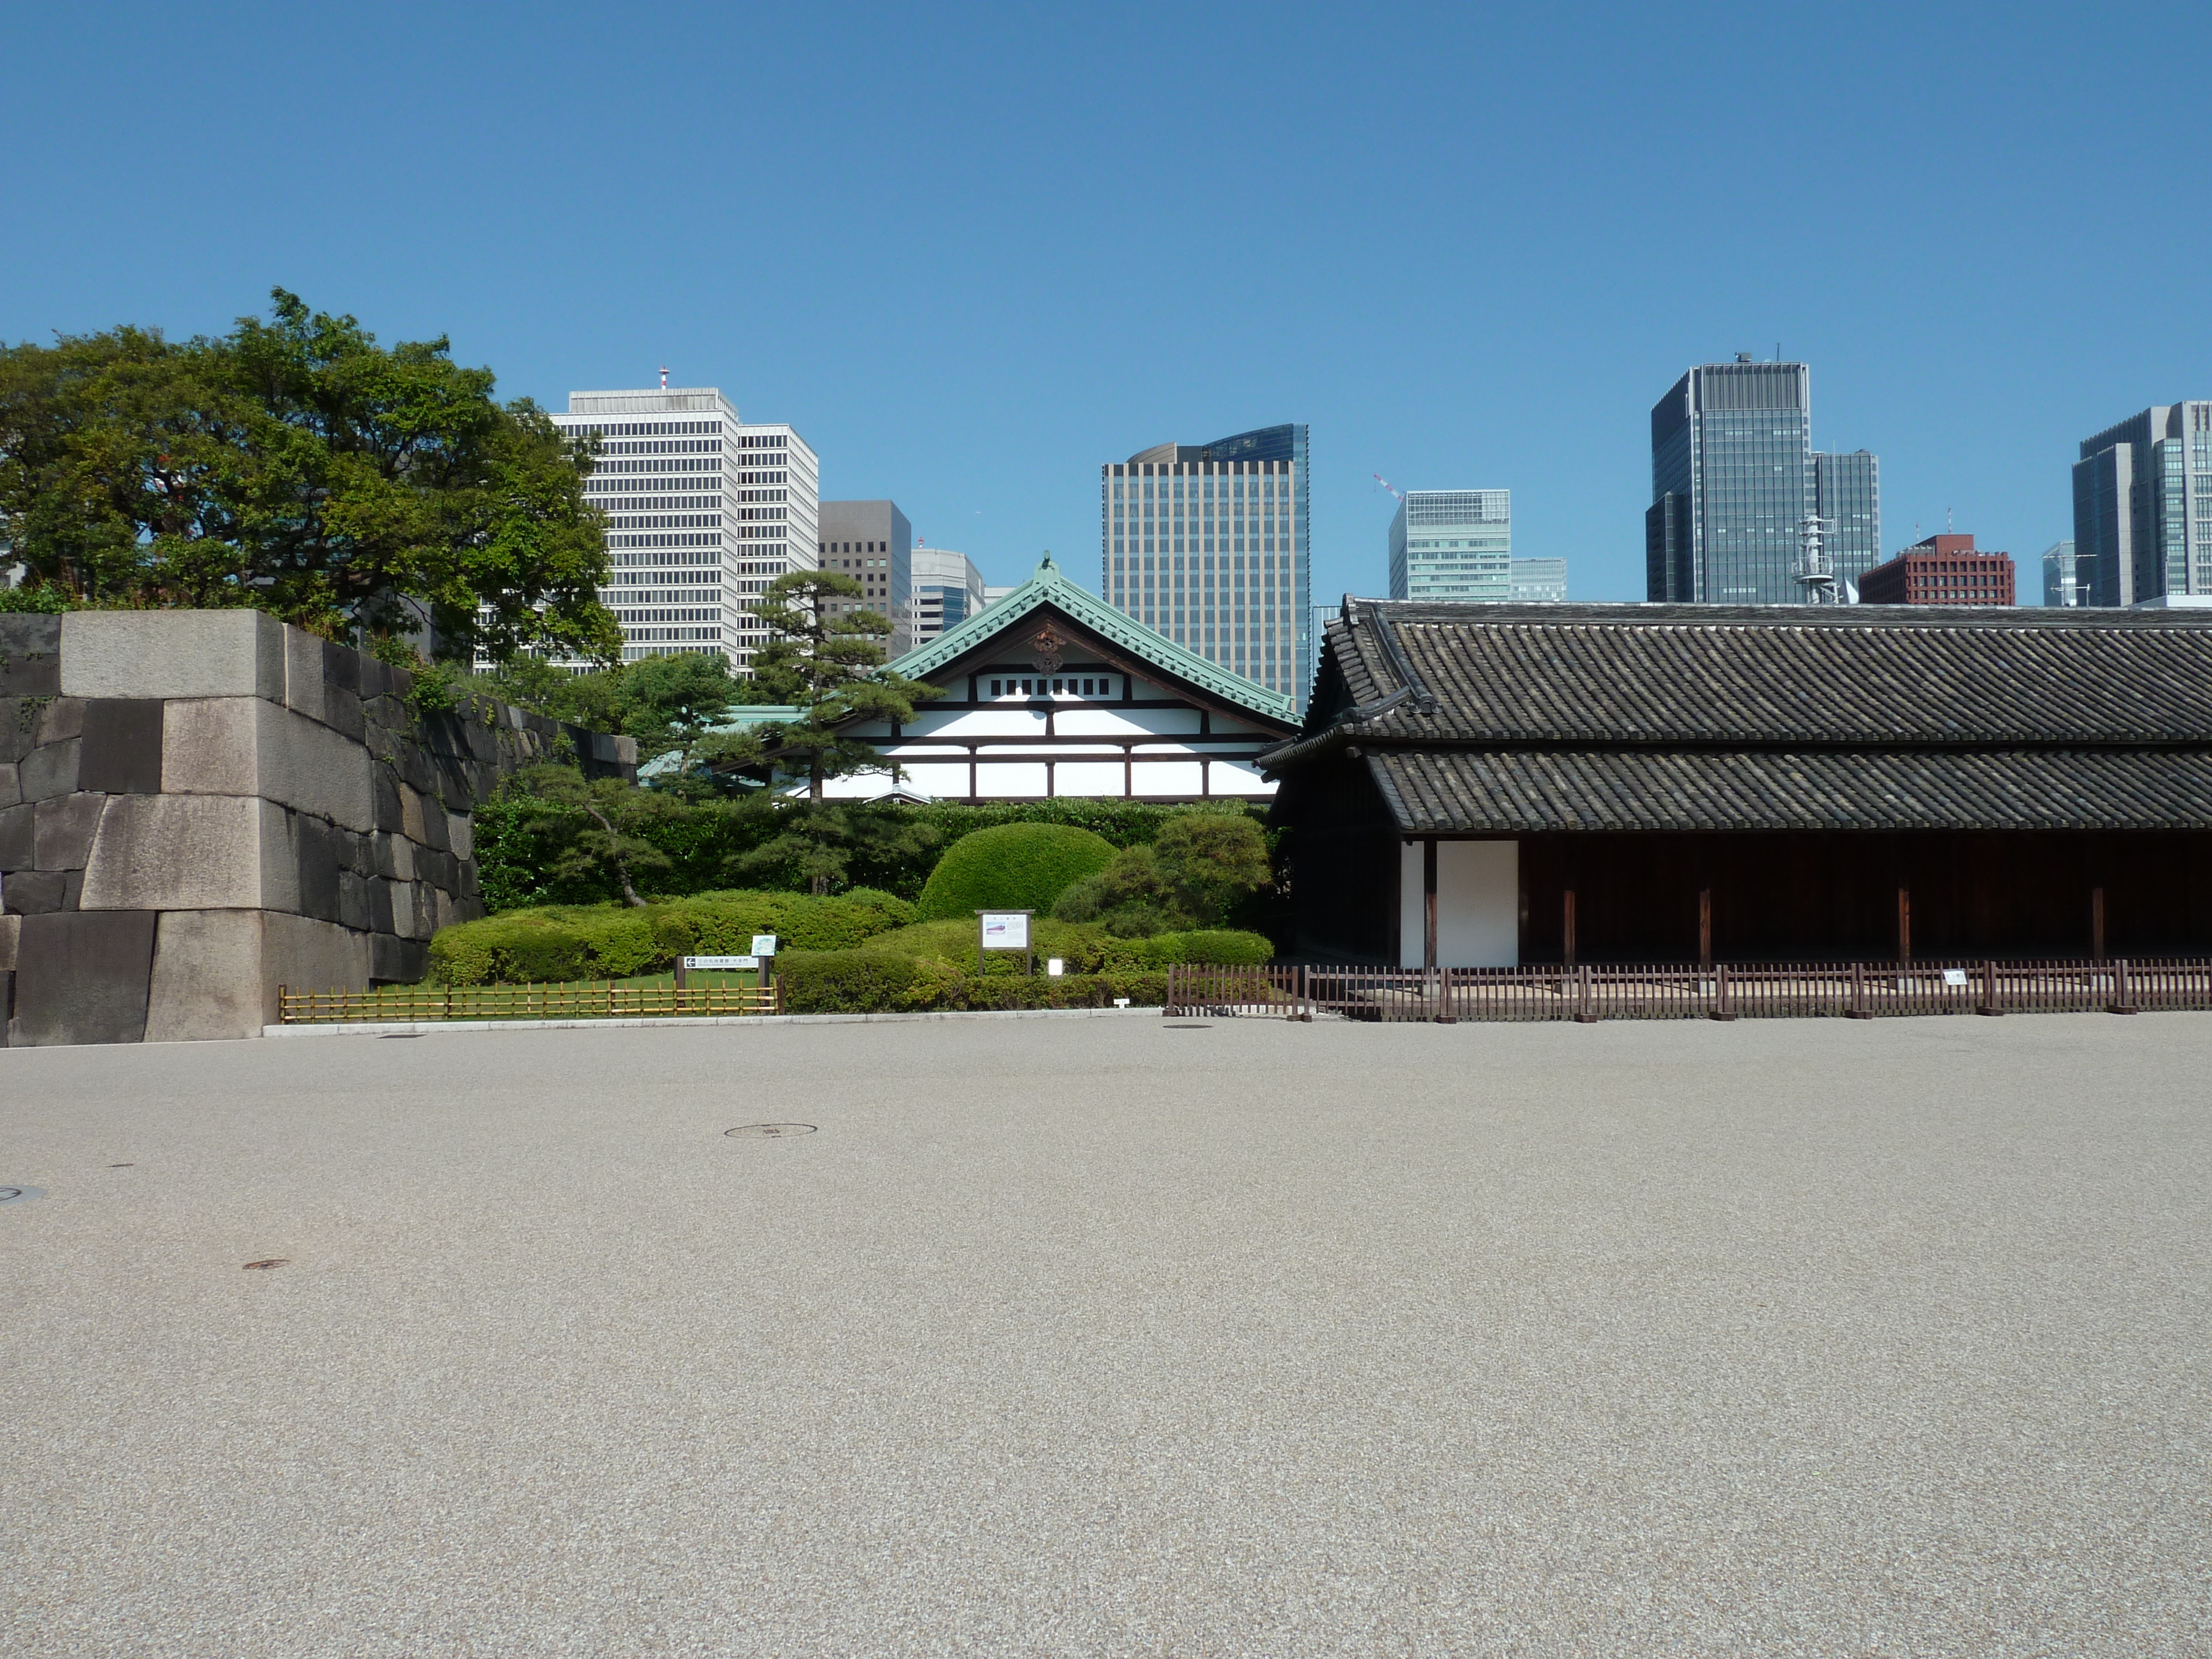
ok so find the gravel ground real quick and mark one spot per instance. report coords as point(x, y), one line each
point(1114, 1337)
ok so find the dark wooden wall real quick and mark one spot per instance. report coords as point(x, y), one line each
point(1783, 896)
point(1342, 850)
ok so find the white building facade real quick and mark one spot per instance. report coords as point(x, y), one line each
point(703, 511)
point(1452, 544)
point(1540, 581)
point(1209, 544)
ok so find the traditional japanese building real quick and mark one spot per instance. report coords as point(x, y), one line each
point(1656, 784)
point(1051, 692)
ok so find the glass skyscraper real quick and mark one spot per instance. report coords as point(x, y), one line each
point(1452, 544)
point(1208, 543)
point(2142, 508)
point(1733, 478)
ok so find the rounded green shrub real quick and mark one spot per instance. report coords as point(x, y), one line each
point(1014, 867)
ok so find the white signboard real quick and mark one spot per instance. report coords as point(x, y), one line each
point(1954, 976)
point(1054, 967)
point(723, 964)
point(763, 945)
point(1005, 929)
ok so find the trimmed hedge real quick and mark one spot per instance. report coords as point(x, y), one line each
point(567, 942)
point(1015, 867)
point(1086, 947)
point(877, 981)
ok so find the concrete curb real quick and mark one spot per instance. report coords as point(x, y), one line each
point(672, 1022)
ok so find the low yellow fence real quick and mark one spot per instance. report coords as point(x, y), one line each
point(416, 1003)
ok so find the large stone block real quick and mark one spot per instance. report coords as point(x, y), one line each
point(308, 955)
point(207, 981)
point(460, 834)
point(352, 901)
point(19, 727)
point(244, 746)
point(62, 717)
point(36, 892)
point(49, 770)
point(11, 928)
point(18, 829)
point(63, 830)
point(394, 961)
point(192, 853)
point(307, 687)
point(317, 855)
point(30, 655)
point(171, 653)
point(84, 976)
point(11, 784)
point(122, 747)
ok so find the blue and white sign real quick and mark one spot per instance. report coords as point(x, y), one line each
point(718, 964)
point(763, 945)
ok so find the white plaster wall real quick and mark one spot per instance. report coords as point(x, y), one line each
point(1167, 778)
point(1087, 777)
point(1017, 779)
point(1478, 904)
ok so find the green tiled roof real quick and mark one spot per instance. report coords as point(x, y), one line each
point(1050, 587)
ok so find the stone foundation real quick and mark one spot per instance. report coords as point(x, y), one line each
point(199, 806)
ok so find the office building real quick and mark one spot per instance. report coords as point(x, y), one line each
point(872, 543)
point(1734, 480)
point(2142, 508)
point(948, 589)
point(2058, 587)
point(1941, 570)
point(1452, 544)
point(1540, 581)
point(703, 511)
point(1209, 544)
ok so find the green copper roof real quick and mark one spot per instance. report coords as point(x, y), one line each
point(1050, 587)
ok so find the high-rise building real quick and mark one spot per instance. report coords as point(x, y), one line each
point(1945, 569)
point(1210, 544)
point(1734, 479)
point(1452, 544)
point(872, 543)
point(2142, 508)
point(948, 589)
point(1540, 581)
point(703, 511)
point(2058, 586)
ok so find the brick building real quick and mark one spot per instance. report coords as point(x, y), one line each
point(1941, 570)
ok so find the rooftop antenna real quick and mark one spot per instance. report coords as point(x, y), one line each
point(1388, 485)
point(1950, 520)
point(1813, 574)
point(664, 377)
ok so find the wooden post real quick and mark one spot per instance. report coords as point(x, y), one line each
point(2124, 1001)
point(1905, 924)
point(1722, 1008)
point(2096, 924)
point(1858, 1009)
point(1989, 989)
point(1429, 906)
point(1705, 926)
point(1567, 924)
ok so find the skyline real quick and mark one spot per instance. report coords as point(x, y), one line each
point(1452, 244)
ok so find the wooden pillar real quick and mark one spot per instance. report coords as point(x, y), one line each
point(1905, 924)
point(1429, 904)
point(1705, 926)
point(2097, 923)
point(1567, 928)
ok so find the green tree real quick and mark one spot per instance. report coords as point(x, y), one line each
point(1191, 875)
point(295, 466)
point(827, 662)
point(604, 836)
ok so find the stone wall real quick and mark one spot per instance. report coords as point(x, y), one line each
point(198, 806)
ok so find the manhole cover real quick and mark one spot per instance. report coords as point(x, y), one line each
point(273, 1261)
point(768, 1131)
point(1193, 1025)
point(20, 1194)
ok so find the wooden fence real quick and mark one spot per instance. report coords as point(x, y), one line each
point(1856, 990)
point(412, 1004)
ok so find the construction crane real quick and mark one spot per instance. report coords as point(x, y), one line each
point(1388, 485)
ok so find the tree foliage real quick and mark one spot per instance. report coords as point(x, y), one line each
point(1193, 874)
point(827, 662)
point(295, 466)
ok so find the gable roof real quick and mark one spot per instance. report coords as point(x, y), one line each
point(1048, 588)
point(1496, 718)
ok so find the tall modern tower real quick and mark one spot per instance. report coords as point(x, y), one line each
point(1209, 544)
point(1452, 544)
point(2142, 508)
point(703, 511)
point(1734, 479)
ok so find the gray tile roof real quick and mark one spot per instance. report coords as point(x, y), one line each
point(1498, 719)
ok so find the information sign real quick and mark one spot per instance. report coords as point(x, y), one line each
point(1954, 976)
point(718, 964)
point(763, 945)
point(1005, 929)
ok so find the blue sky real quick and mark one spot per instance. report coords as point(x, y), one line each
point(971, 251)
